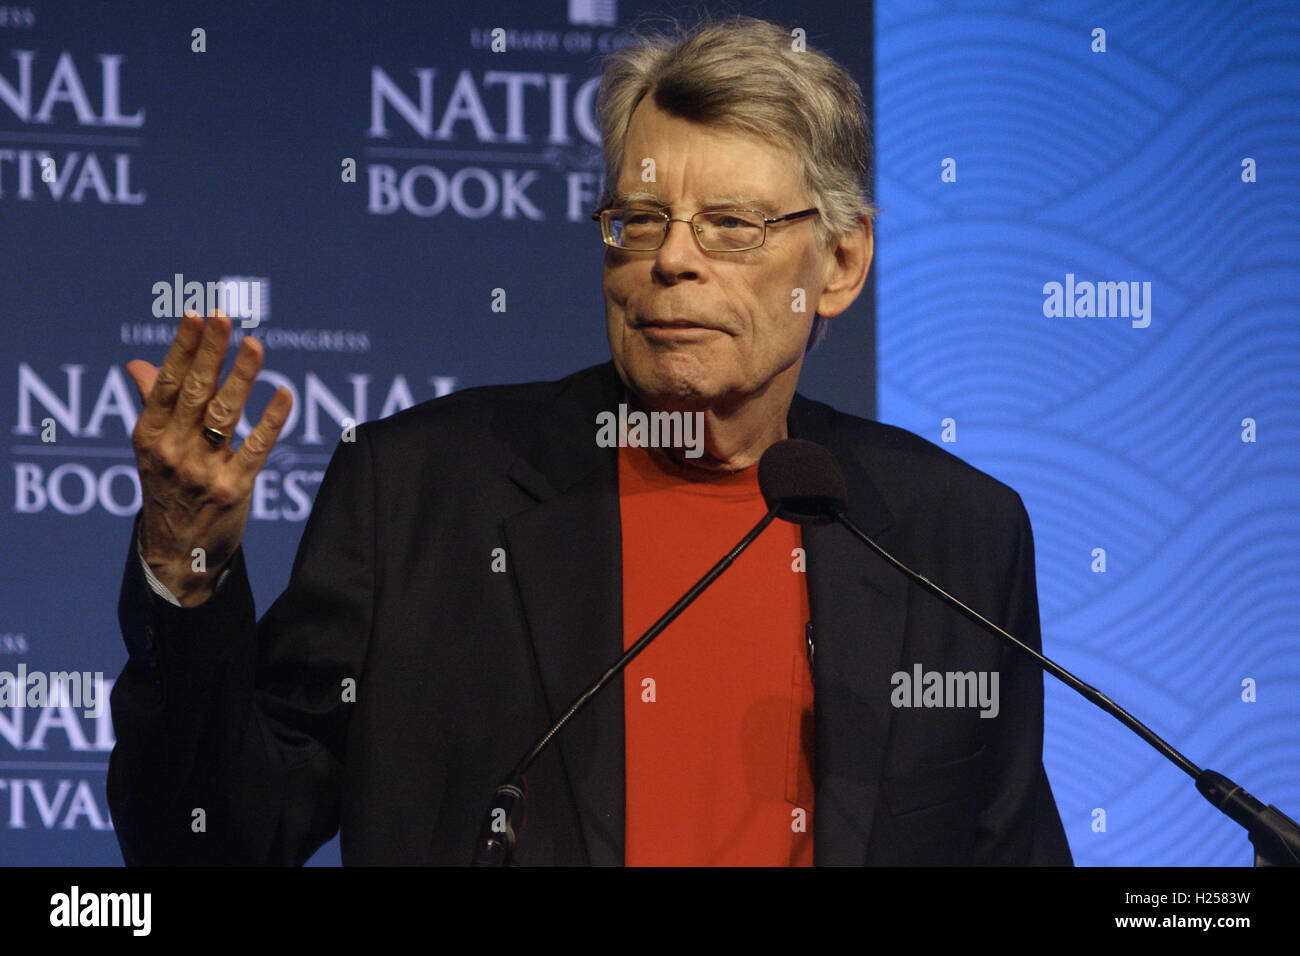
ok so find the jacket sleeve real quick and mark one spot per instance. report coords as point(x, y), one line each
point(1018, 823)
point(231, 733)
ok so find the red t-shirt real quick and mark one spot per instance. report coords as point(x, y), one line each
point(719, 709)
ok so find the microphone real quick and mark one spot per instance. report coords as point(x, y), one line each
point(805, 485)
point(796, 487)
point(803, 480)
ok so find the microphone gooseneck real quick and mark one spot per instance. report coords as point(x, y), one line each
point(808, 465)
point(497, 836)
point(803, 493)
point(798, 486)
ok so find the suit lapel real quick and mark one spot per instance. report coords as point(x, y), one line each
point(858, 609)
point(566, 555)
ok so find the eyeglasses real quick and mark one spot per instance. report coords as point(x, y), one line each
point(716, 230)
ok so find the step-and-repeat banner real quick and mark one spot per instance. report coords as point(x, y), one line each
point(1089, 286)
point(403, 193)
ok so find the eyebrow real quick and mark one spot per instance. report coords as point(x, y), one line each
point(728, 201)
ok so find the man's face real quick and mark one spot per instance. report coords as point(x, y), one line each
point(695, 329)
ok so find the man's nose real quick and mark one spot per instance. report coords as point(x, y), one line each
point(675, 259)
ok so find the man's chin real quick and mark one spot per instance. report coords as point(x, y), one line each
point(671, 388)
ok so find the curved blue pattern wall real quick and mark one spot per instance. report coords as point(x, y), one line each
point(1150, 419)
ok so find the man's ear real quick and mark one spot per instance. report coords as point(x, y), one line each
point(847, 266)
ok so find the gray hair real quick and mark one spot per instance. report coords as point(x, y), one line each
point(743, 74)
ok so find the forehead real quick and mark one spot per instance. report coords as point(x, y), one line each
point(702, 162)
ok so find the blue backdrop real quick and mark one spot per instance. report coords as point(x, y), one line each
point(1158, 454)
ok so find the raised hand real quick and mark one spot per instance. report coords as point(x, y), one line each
point(196, 490)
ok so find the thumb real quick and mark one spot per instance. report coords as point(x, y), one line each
point(144, 375)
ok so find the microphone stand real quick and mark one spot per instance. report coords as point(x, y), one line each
point(497, 837)
point(1275, 835)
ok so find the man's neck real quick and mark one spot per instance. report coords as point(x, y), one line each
point(735, 436)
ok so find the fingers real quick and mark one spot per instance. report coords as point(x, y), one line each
point(223, 411)
point(144, 375)
point(252, 453)
point(165, 385)
point(182, 396)
point(200, 382)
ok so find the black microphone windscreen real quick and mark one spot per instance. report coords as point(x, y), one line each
point(803, 478)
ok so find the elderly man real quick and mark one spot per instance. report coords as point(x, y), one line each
point(473, 563)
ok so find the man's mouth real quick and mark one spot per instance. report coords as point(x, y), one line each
point(673, 323)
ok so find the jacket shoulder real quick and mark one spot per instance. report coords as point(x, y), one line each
point(911, 471)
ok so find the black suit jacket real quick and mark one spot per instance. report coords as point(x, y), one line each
point(456, 669)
